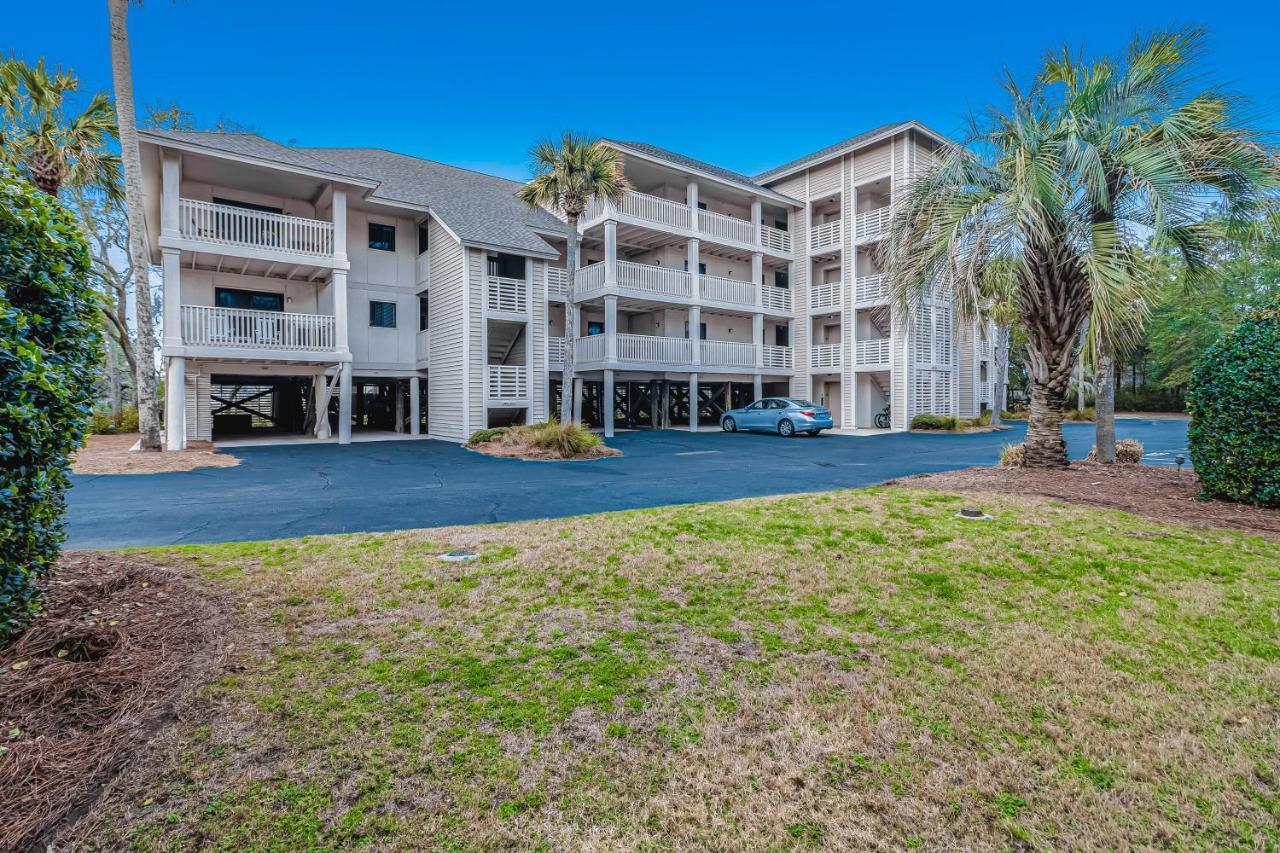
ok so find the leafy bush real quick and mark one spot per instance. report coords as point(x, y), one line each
point(480, 436)
point(1013, 456)
point(104, 422)
point(1088, 413)
point(1234, 402)
point(1149, 400)
point(1128, 452)
point(1020, 415)
point(925, 420)
point(48, 349)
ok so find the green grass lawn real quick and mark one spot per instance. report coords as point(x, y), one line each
point(846, 670)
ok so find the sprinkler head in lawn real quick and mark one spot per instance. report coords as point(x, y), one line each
point(973, 514)
point(459, 555)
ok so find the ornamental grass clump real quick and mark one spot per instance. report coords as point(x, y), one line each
point(546, 440)
point(1013, 456)
point(1128, 452)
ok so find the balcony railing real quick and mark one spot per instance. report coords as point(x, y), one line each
point(871, 351)
point(871, 289)
point(872, 223)
point(728, 353)
point(778, 358)
point(984, 349)
point(508, 294)
point(825, 356)
point(824, 236)
point(508, 381)
point(422, 345)
point(227, 225)
point(654, 349)
point(824, 295)
point(205, 325)
point(719, 289)
point(719, 225)
point(776, 298)
point(775, 239)
point(557, 283)
point(590, 348)
point(555, 349)
point(649, 208)
point(659, 281)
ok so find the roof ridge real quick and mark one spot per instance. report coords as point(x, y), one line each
point(417, 157)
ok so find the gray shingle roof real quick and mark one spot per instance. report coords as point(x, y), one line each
point(829, 150)
point(252, 145)
point(688, 163)
point(478, 208)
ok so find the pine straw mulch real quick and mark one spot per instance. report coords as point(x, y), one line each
point(112, 454)
point(530, 453)
point(109, 660)
point(1155, 492)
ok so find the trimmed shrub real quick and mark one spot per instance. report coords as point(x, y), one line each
point(1234, 402)
point(104, 422)
point(1088, 413)
point(48, 349)
point(1128, 452)
point(1013, 456)
point(925, 420)
point(1150, 400)
point(480, 436)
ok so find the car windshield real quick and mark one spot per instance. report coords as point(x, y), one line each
point(804, 404)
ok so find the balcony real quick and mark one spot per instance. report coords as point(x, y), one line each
point(778, 358)
point(239, 328)
point(825, 356)
point(871, 290)
point(872, 224)
point(507, 382)
point(825, 237)
point(235, 227)
point(655, 349)
point(872, 352)
point(647, 208)
point(717, 225)
point(825, 295)
point(557, 283)
point(639, 279)
point(716, 288)
point(775, 239)
point(508, 295)
point(727, 354)
point(776, 299)
point(984, 349)
point(556, 349)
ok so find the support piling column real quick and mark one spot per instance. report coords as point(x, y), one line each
point(344, 403)
point(175, 407)
point(608, 404)
point(415, 406)
point(693, 402)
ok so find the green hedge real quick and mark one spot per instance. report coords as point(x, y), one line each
point(1234, 402)
point(48, 351)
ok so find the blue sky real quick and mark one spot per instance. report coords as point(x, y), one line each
point(745, 85)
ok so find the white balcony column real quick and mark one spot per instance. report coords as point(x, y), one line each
point(344, 403)
point(339, 224)
point(695, 259)
point(758, 383)
point(338, 284)
point(170, 185)
point(611, 328)
point(693, 401)
point(691, 199)
point(695, 324)
point(755, 221)
point(577, 399)
point(171, 308)
point(610, 253)
point(175, 405)
point(757, 337)
point(607, 402)
point(757, 276)
point(415, 405)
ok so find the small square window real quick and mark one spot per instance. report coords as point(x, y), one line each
point(382, 314)
point(422, 237)
point(382, 237)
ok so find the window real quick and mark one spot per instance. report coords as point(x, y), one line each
point(780, 224)
point(382, 314)
point(782, 336)
point(506, 266)
point(777, 404)
point(422, 313)
point(781, 279)
point(702, 330)
point(382, 237)
point(422, 237)
point(595, 327)
point(758, 405)
point(225, 297)
point(702, 268)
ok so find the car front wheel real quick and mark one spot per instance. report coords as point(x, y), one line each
point(786, 428)
point(729, 425)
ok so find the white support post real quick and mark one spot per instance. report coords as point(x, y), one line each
point(322, 392)
point(344, 403)
point(693, 402)
point(755, 222)
point(607, 403)
point(171, 310)
point(694, 263)
point(577, 399)
point(759, 386)
point(691, 199)
point(170, 189)
point(339, 284)
point(175, 407)
point(611, 328)
point(757, 277)
point(610, 253)
point(695, 325)
point(415, 405)
point(757, 337)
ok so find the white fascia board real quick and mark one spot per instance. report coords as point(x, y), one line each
point(880, 137)
point(680, 167)
point(193, 148)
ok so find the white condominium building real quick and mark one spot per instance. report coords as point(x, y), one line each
point(321, 292)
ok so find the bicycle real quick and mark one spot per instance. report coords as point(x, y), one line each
point(882, 419)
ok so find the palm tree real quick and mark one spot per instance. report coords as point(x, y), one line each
point(122, 77)
point(566, 179)
point(39, 138)
point(1055, 193)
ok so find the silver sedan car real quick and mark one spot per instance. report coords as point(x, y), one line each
point(784, 415)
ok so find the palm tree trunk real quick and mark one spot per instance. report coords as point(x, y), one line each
point(122, 76)
point(1105, 404)
point(999, 364)
point(1045, 447)
point(570, 325)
